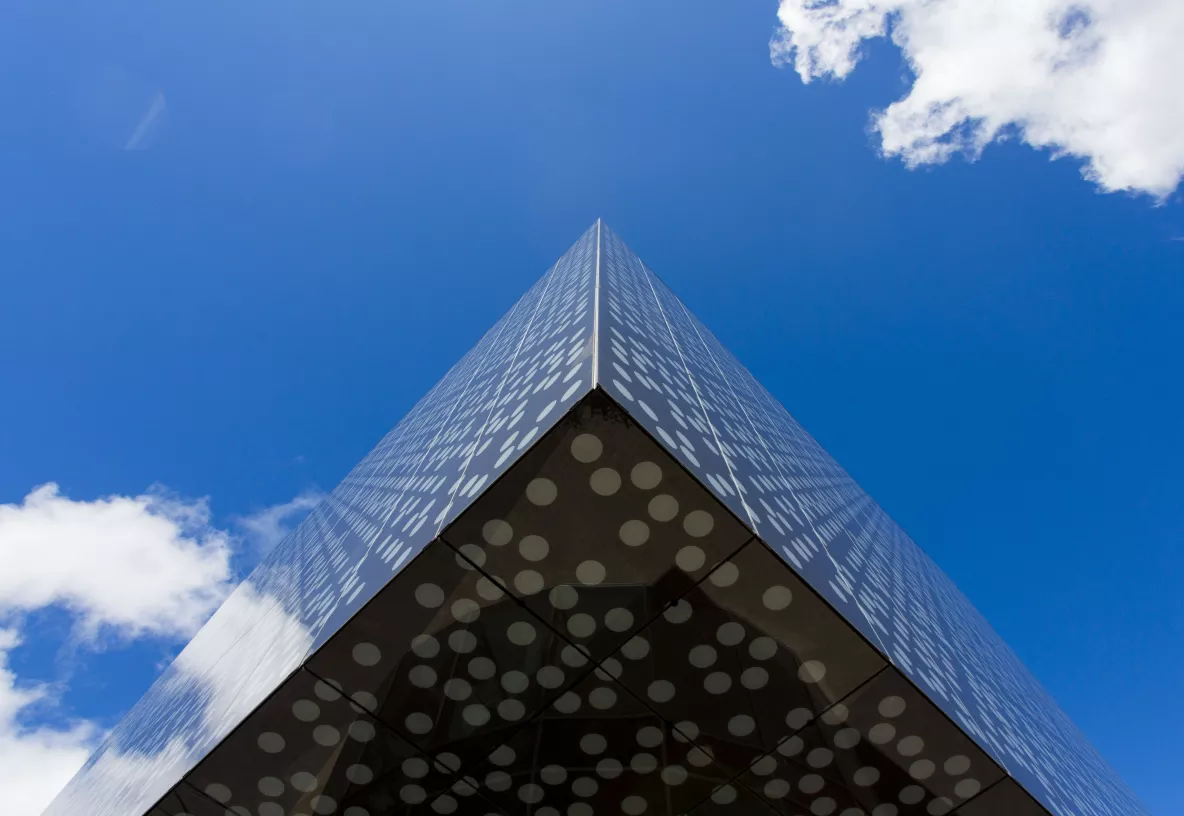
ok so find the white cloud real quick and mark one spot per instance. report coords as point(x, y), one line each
point(148, 564)
point(268, 527)
point(1094, 79)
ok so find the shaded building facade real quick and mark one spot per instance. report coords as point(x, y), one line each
point(597, 569)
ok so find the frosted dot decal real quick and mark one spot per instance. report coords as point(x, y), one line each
point(811, 783)
point(609, 768)
point(590, 573)
point(725, 795)
point(564, 597)
point(966, 788)
point(702, 656)
point(679, 612)
point(521, 633)
point(306, 710)
point(847, 738)
point(661, 691)
point(529, 582)
point(725, 575)
point(272, 787)
point(674, 774)
point(530, 793)
point(515, 682)
point(912, 794)
point(881, 734)
point(323, 804)
point(271, 742)
point(730, 634)
point(812, 671)
point(412, 794)
point(429, 595)
point(465, 610)
point(762, 648)
point(650, 737)
point(541, 492)
point(581, 625)
point(891, 707)
point(593, 744)
point(568, 703)
point(922, 769)
point(218, 792)
point(741, 725)
point(777, 598)
point(663, 507)
point(618, 619)
point(957, 765)
point(503, 755)
point(634, 533)
point(586, 448)
point(910, 746)
point(605, 481)
point(776, 789)
point(550, 677)
point(482, 668)
point(470, 556)
point(458, 689)
point(797, 719)
point(326, 735)
point(462, 641)
point(361, 731)
point(754, 678)
point(634, 805)
point(643, 763)
point(302, 781)
point(418, 723)
point(362, 774)
point(533, 548)
point(511, 710)
point(717, 683)
point(836, 714)
point(327, 692)
point(819, 758)
point(698, 523)
point(636, 648)
point(553, 774)
point(497, 533)
point(690, 559)
point(645, 475)
point(475, 715)
point(425, 646)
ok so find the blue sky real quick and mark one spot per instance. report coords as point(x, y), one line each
point(238, 243)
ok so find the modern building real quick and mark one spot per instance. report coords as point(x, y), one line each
point(597, 570)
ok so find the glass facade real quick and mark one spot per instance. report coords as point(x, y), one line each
point(597, 569)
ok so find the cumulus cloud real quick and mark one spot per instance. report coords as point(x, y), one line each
point(1093, 79)
point(148, 564)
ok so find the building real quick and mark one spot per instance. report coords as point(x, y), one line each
point(598, 569)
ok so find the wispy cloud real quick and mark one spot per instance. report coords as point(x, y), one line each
point(267, 527)
point(1094, 79)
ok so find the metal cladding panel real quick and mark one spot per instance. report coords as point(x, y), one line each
point(671, 374)
point(519, 380)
